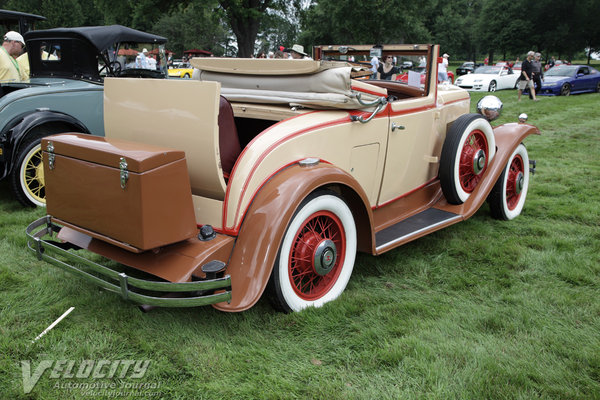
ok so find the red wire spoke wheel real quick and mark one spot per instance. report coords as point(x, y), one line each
point(514, 183)
point(507, 198)
point(316, 255)
point(473, 160)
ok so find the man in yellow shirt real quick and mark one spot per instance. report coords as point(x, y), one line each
point(11, 48)
point(23, 61)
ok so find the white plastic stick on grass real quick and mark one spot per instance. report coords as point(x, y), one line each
point(53, 324)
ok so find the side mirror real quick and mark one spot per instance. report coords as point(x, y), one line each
point(580, 74)
point(440, 60)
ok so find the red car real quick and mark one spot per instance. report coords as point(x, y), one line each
point(404, 77)
point(557, 62)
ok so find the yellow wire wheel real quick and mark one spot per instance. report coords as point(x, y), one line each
point(31, 175)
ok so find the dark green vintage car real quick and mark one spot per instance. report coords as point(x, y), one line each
point(18, 21)
point(64, 94)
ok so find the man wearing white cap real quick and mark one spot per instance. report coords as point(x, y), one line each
point(443, 69)
point(141, 60)
point(12, 47)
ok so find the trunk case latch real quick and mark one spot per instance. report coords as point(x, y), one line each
point(124, 172)
point(51, 156)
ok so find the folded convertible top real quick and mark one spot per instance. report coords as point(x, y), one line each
point(306, 83)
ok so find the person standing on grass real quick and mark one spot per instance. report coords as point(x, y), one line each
point(11, 48)
point(526, 76)
point(443, 69)
point(537, 74)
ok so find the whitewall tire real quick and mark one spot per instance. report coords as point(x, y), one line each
point(317, 253)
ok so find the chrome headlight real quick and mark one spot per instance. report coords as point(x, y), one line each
point(490, 107)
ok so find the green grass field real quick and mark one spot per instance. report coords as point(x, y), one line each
point(482, 310)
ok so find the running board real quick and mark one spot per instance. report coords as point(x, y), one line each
point(414, 227)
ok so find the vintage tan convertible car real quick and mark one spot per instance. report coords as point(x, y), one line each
point(269, 174)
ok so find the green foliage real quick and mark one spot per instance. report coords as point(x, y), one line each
point(197, 25)
point(466, 29)
point(397, 21)
point(278, 29)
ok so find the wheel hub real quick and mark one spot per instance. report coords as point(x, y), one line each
point(324, 257)
point(479, 162)
point(39, 173)
point(519, 183)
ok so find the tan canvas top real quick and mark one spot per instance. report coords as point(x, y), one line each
point(263, 66)
point(328, 85)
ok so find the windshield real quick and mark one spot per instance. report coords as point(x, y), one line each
point(133, 59)
point(491, 70)
point(563, 70)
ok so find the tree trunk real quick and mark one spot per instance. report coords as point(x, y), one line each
point(244, 20)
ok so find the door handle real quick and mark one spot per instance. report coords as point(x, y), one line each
point(394, 127)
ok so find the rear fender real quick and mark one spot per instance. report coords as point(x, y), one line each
point(19, 127)
point(267, 219)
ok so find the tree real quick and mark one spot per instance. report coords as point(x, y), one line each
point(115, 12)
point(455, 28)
point(344, 22)
point(278, 28)
point(245, 18)
point(207, 32)
point(588, 28)
point(57, 12)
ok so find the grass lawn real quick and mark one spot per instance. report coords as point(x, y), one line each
point(482, 310)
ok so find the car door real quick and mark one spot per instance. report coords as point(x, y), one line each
point(506, 79)
point(586, 80)
point(578, 83)
point(412, 142)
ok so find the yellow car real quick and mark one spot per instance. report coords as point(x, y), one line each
point(185, 73)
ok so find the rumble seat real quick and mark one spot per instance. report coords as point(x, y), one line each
point(229, 142)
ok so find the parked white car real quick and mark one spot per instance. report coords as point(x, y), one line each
point(488, 79)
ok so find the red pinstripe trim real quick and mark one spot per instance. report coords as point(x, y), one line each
point(234, 169)
point(235, 231)
point(412, 110)
point(405, 194)
point(263, 156)
point(359, 89)
point(384, 113)
point(273, 146)
point(456, 101)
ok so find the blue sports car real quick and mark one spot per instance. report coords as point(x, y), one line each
point(566, 79)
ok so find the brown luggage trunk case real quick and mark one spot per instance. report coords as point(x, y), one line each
point(150, 208)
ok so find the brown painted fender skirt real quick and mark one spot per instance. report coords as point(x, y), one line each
point(265, 223)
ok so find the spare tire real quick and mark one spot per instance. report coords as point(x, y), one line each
point(467, 151)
